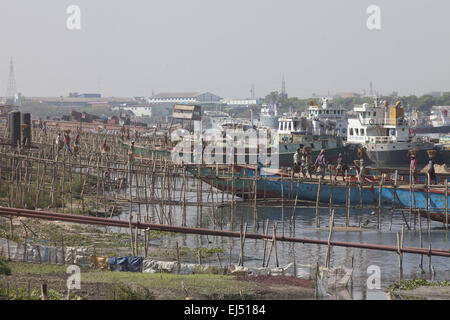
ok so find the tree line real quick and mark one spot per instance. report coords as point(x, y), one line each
point(411, 102)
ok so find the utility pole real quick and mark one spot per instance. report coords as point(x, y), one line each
point(283, 87)
point(11, 89)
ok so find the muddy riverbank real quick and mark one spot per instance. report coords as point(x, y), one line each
point(26, 278)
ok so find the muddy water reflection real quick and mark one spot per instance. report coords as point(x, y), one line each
point(302, 224)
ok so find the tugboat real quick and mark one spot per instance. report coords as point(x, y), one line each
point(437, 123)
point(331, 113)
point(386, 136)
point(296, 132)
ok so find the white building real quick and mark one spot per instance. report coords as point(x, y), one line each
point(184, 97)
point(139, 110)
point(242, 102)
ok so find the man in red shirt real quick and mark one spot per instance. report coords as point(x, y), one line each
point(67, 142)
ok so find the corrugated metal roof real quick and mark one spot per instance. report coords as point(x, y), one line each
point(183, 107)
point(176, 95)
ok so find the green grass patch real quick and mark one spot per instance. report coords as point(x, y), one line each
point(154, 234)
point(204, 252)
point(27, 267)
point(4, 268)
point(414, 283)
point(77, 227)
point(22, 294)
point(120, 291)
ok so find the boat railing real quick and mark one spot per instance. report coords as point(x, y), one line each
point(382, 139)
point(383, 122)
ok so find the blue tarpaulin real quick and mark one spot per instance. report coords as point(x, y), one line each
point(130, 263)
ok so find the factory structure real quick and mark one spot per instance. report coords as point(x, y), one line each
point(184, 97)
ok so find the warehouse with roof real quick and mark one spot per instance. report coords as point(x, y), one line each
point(185, 97)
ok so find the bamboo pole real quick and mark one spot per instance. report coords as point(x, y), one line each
point(347, 199)
point(361, 181)
point(178, 258)
point(183, 221)
point(420, 239)
point(400, 257)
point(317, 203)
point(295, 205)
point(380, 192)
point(63, 181)
point(70, 185)
point(428, 208)
point(282, 205)
point(130, 178)
point(330, 233)
point(430, 266)
point(274, 241)
point(331, 195)
point(242, 243)
point(446, 209)
point(199, 255)
point(201, 201)
point(255, 210)
point(266, 231)
point(38, 176)
point(411, 177)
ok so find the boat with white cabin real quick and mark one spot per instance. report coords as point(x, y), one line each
point(385, 134)
point(328, 112)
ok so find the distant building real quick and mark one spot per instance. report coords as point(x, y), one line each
point(139, 110)
point(90, 95)
point(242, 102)
point(184, 97)
point(75, 100)
point(84, 95)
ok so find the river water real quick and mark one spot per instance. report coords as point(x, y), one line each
point(304, 225)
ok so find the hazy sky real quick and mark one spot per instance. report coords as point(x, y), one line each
point(129, 48)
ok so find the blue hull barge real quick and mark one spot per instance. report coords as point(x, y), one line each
point(244, 182)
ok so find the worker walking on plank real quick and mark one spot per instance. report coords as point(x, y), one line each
point(321, 163)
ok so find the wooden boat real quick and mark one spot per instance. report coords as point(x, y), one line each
point(158, 151)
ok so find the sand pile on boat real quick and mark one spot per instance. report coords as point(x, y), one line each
point(438, 168)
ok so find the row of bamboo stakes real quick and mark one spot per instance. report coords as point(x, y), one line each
point(155, 181)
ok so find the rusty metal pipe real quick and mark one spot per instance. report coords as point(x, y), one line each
point(204, 231)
